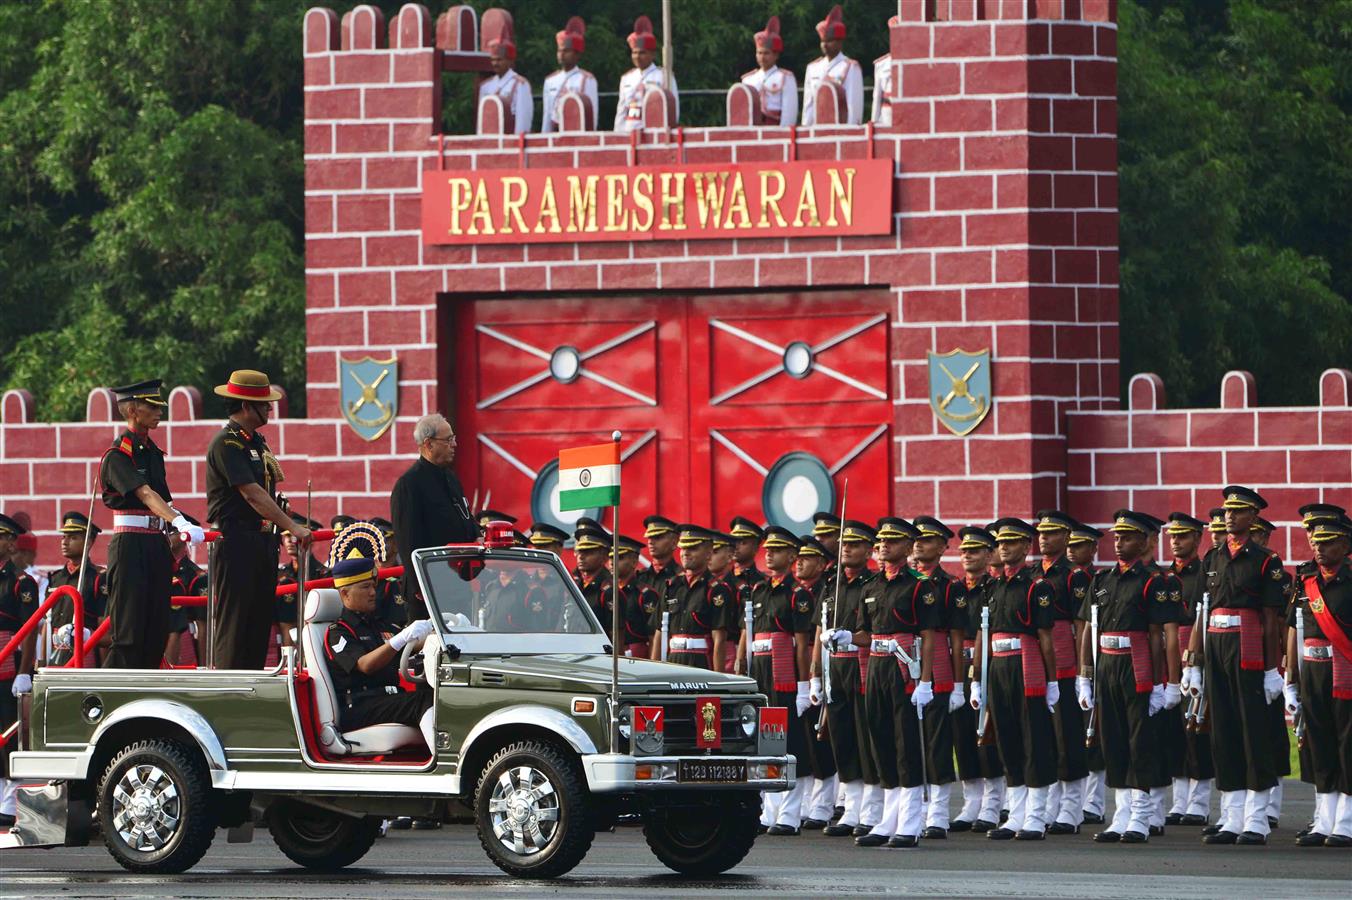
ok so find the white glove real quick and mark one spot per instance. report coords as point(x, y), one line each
point(1084, 692)
point(804, 700)
point(1292, 694)
point(923, 694)
point(815, 692)
point(1173, 695)
point(1191, 682)
point(1272, 685)
point(194, 532)
point(1053, 694)
point(23, 684)
point(837, 639)
point(64, 638)
point(957, 698)
point(411, 633)
point(1156, 699)
point(976, 695)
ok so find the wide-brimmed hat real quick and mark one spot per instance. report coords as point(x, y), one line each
point(249, 384)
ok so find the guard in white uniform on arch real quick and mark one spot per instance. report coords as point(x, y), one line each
point(569, 78)
point(834, 66)
point(778, 88)
point(507, 84)
point(635, 83)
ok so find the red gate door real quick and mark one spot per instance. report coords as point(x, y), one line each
point(730, 405)
point(789, 397)
point(534, 376)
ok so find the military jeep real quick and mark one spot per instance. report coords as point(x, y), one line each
point(533, 743)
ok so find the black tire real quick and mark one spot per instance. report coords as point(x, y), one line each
point(318, 839)
point(155, 808)
point(703, 839)
point(561, 816)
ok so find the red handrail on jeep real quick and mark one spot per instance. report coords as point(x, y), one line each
point(66, 590)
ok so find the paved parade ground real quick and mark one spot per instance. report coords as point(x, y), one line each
point(416, 864)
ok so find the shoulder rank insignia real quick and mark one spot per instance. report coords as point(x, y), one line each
point(718, 599)
point(1161, 596)
point(1044, 601)
point(1079, 593)
point(962, 602)
point(1277, 574)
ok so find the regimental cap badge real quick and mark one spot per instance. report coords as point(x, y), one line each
point(693, 536)
point(853, 531)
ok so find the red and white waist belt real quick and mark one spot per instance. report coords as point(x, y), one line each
point(1137, 645)
point(1006, 645)
point(778, 646)
point(1250, 629)
point(130, 524)
point(689, 642)
point(1317, 650)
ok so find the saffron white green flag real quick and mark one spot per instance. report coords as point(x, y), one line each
point(589, 476)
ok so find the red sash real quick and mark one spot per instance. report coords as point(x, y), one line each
point(899, 637)
point(1063, 644)
point(7, 669)
point(1184, 635)
point(1250, 636)
point(1342, 645)
point(942, 668)
point(1030, 653)
point(1141, 669)
point(783, 666)
point(863, 670)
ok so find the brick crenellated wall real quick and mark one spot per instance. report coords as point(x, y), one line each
point(1005, 202)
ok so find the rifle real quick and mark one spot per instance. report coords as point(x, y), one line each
point(835, 603)
point(1190, 714)
point(1298, 720)
point(748, 629)
point(1199, 722)
point(984, 713)
point(1091, 727)
point(666, 625)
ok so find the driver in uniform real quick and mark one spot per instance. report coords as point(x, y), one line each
point(363, 657)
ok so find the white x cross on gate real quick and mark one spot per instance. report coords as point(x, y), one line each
point(573, 358)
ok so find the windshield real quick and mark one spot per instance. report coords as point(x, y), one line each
point(483, 593)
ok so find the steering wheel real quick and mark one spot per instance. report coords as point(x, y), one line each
point(406, 665)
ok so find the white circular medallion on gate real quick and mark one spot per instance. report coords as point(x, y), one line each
point(798, 359)
point(797, 486)
point(565, 364)
point(800, 498)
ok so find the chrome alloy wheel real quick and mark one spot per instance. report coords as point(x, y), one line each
point(524, 810)
point(147, 808)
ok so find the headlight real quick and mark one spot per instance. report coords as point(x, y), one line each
point(747, 716)
point(622, 721)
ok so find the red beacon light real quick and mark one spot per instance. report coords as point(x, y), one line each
point(498, 535)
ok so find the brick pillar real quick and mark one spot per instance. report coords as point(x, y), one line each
point(1008, 119)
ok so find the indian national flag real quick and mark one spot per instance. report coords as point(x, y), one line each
point(589, 476)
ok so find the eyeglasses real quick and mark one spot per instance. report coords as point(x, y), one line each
point(446, 440)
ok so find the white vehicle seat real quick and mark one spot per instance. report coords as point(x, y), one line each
point(322, 609)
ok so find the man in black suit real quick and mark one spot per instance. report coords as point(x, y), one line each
point(428, 505)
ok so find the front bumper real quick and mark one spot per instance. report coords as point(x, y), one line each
point(618, 772)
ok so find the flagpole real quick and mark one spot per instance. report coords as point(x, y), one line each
point(615, 610)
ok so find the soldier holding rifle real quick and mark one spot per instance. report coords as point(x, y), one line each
point(978, 759)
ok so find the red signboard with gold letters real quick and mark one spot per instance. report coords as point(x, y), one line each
point(642, 203)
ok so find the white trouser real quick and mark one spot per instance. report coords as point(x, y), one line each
point(1256, 811)
point(993, 799)
point(911, 818)
point(1157, 807)
point(1142, 809)
point(809, 783)
point(840, 793)
point(791, 810)
point(1325, 810)
point(1018, 806)
point(1232, 811)
point(1342, 822)
point(937, 813)
point(871, 807)
point(1096, 796)
point(851, 802)
point(1181, 788)
point(1121, 811)
point(972, 789)
point(428, 728)
point(823, 804)
point(1070, 810)
point(771, 801)
point(1199, 797)
point(1274, 808)
point(1035, 814)
point(887, 822)
point(1054, 795)
point(9, 790)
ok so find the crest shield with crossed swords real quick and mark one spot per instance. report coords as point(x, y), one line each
point(369, 394)
point(960, 388)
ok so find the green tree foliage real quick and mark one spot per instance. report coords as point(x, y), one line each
point(1236, 181)
point(151, 215)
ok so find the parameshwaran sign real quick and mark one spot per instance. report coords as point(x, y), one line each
point(798, 199)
